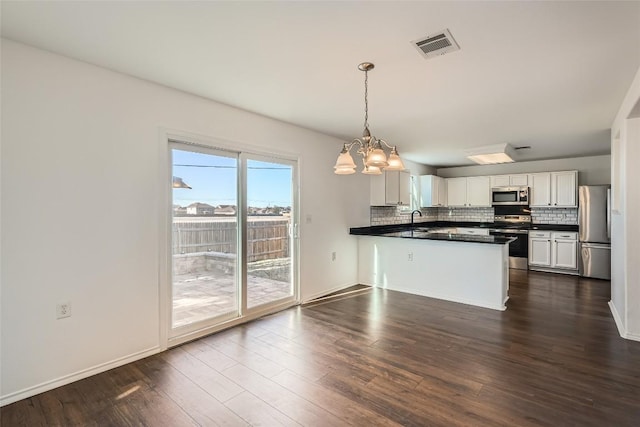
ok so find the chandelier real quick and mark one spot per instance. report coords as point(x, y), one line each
point(374, 158)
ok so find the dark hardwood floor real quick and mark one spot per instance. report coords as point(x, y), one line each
point(554, 357)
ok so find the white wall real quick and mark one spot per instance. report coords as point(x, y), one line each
point(632, 227)
point(418, 168)
point(81, 191)
point(625, 238)
point(592, 170)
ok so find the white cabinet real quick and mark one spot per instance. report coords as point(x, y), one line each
point(540, 248)
point(500, 181)
point(564, 186)
point(433, 191)
point(540, 189)
point(456, 192)
point(473, 191)
point(553, 189)
point(564, 250)
point(553, 250)
point(478, 191)
point(521, 180)
point(391, 188)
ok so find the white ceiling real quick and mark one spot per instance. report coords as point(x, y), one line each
point(546, 74)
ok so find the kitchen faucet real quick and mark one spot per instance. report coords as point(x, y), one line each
point(412, 215)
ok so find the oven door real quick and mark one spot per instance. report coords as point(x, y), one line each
point(518, 249)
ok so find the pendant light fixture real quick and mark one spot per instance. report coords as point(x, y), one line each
point(179, 183)
point(370, 148)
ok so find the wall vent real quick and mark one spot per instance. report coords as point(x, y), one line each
point(436, 44)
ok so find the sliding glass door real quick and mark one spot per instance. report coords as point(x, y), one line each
point(233, 236)
point(205, 284)
point(270, 231)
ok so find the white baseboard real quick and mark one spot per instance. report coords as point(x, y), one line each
point(67, 379)
point(622, 330)
point(327, 292)
point(616, 318)
point(630, 336)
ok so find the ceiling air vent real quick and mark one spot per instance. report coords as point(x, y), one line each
point(436, 44)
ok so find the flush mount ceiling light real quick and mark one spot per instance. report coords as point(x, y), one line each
point(369, 147)
point(491, 154)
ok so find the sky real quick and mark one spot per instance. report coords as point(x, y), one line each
point(213, 180)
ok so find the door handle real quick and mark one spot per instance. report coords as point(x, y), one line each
point(293, 230)
point(609, 213)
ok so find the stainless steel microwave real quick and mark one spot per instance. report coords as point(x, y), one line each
point(509, 196)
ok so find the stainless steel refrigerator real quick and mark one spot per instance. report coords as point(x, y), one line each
point(594, 221)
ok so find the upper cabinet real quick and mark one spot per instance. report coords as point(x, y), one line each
point(473, 191)
point(564, 189)
point(478, 191)
point(433, 191)
point(456, 192)
point(391, 188)
point(553, 189)
point(520, 180)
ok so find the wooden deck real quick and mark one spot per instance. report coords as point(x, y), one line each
point(554, 358)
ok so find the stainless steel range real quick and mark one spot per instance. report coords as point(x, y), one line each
point(514, 225)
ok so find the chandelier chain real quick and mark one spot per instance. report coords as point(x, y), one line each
point(366, 102)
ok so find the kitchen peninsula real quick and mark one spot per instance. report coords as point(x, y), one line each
point(435, 262)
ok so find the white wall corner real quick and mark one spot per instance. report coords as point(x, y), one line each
point(622, 330)
point(307, 298)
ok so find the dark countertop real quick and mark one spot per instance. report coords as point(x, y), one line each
point(419, 231)
point(423, 235)
point(554, 227)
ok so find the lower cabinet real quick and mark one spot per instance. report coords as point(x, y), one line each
point(553, 251)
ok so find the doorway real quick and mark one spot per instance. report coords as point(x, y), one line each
point(233, 237)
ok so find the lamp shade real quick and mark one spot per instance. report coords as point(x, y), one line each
point(371, 170)
point(345, 164)
point(179, 183)
point(395, 163)
point(377, 158)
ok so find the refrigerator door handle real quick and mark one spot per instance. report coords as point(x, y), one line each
point(595, 245)
point(609, 213)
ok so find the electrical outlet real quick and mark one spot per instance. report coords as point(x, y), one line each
point(410, 256)
point(63, 310)
point(333, 256)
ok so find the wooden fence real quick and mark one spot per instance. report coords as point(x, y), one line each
point(267, 239)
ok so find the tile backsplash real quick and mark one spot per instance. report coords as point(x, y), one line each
point(554, 216)
point(466, 214)
point(384, 215)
